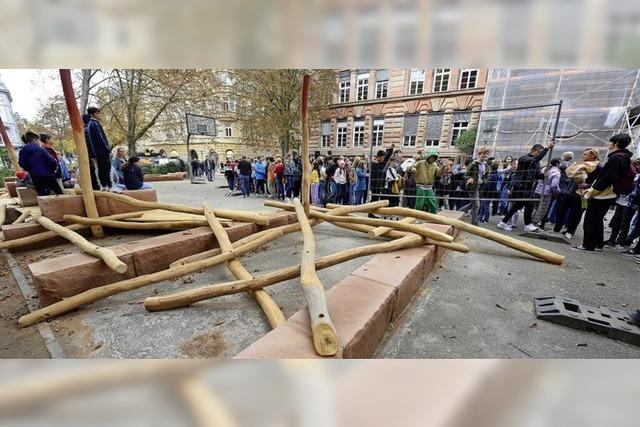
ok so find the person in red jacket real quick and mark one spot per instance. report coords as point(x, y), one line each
point(278, 170)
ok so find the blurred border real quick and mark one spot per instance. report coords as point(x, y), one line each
point(319, 34)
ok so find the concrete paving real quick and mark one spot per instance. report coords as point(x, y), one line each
point(479, 305)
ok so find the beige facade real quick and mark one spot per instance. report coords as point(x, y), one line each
point(423, 108)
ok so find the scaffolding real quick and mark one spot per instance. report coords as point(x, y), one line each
point(596, 105)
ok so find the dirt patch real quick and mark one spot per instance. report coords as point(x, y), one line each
point(205, 346)
point(15, 343)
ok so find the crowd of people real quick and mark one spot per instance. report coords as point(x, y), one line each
point(559, 191)
point(49, 172)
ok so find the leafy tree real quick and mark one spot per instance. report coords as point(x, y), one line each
point(466, 141)
point(269, 104)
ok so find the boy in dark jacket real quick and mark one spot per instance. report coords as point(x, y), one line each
point(40, 165)
point(133, 177)
point(100, 145)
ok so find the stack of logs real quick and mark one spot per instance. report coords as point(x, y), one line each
point(401, 234)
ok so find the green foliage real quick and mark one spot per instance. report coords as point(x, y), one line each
point(171, 167)
point(466, 141)
point(4, 172)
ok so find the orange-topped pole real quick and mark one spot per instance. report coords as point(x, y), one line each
point(81, 148)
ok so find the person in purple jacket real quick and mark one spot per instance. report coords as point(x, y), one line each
point(40, 165)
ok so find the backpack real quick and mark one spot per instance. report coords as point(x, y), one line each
point(566, 184)
point(624, 185)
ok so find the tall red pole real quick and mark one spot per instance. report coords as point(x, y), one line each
point(81, 148)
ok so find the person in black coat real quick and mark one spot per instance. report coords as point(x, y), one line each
point(40, 165)
point(133, 177)
point(522, 185)
point(100, 145)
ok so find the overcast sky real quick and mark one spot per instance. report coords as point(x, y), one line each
point(29, 88)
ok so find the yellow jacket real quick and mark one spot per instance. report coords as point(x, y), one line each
point(315, 178)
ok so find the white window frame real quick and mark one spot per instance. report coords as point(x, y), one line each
point(440, 74)
point(418, 88)
point(341, 135)
point(475, 80)
point(228, 132)
point(382, 89)
point(229, 104)
point(431, 143)
point(457, 128)
point(362, 85)
point(377, 134)
point(345, 89)
point(409, 140)
point(325, 141)
point(358, 134)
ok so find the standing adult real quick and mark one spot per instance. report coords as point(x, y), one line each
point(93, 164)
point(278, 171)
point(604, 191)
point(271, 177)
point(40, 165)
point(210, 168)
point(244, 173)
point(522, 183)
point(475, 177)
point(377, 174)
point(261, 175)
point(297, 175)
point(101, 148)
point(230, 174)
point(426, 171)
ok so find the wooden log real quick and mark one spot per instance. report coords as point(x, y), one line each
point(396, 225)
point(206, 409)
point(243, 216)
point(106, 254)
point(81, 149)
point(29, 240)
point(128, 225)
point(8, 144)
point(188, 297)
point(306, 165)
point(511, 242)
point(22, 218)
point(325, 338)
point(268, 305)
point(100, 292)
point(381, 231)
point(286, 229)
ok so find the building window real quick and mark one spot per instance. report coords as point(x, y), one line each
point(409, 141)
point(345, 86)
point(431, 142)
point(229, 105)
point(468, 79)
point(227, 131)
point(378, 132)
point(382, 83)
point(363, 86)
point(325, 141)
point(358, 134)
point(457, 129)
point(417, 82)
point(341, 140)
point(441, 79)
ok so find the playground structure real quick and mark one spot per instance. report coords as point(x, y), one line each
point(222, 236)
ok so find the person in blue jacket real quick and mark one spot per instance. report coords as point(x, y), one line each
point(101, 149)
point(40, 165)
point(261, 176)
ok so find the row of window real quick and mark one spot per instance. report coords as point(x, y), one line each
point(377, 134)
point(441, 77)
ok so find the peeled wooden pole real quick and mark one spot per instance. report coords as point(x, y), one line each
point(325, 338)
point(11, 152)
point(516, 244)
point(23, 216)
point(306, 166)
point(205, 407)
point(128, 225)
point(40, 237)
point(268, 305)
point(100, 292)
point(188, 297)
point(3, 214)
point(244, 216)
point(81, 149)
point(107, 255)
point(381, 231)
point(286, 229)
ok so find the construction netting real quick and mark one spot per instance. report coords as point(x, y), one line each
point(595, 105)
